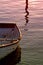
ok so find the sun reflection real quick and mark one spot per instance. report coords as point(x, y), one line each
point(32, 0)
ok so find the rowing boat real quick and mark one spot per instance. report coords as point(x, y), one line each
point(10, 36)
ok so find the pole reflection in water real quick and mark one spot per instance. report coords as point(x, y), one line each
point(13, 58)
point(27, 13)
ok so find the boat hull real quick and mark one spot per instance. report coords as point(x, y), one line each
point(10, 36)
point(7, 50)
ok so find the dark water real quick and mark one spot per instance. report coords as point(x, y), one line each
point(12, 58)
point(30, 21)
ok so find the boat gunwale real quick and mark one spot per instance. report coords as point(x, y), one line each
point(6, 45)
point(6, 25)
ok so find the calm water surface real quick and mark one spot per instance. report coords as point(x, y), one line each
point(31, 26)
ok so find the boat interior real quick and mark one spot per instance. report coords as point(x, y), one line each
point(8, 32)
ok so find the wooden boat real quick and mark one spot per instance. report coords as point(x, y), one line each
point(10, 35)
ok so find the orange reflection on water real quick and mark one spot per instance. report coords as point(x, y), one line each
point(32, 0)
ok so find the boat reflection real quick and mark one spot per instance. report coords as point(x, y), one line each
point(13, 58)
point(27, 14)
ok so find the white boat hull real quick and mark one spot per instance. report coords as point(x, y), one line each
point(7, 50)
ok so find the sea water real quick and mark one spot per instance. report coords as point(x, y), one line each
point(30, 22)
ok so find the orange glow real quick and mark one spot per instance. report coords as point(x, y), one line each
point(32, 0)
